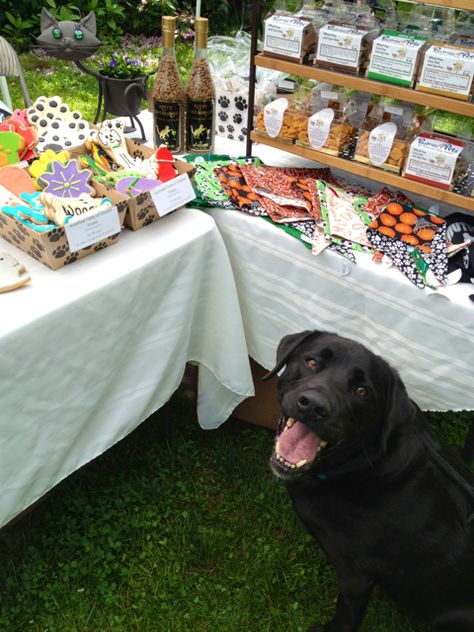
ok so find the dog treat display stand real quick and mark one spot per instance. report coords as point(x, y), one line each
point(427, 336)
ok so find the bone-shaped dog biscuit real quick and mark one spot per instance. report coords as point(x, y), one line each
point(60, 210)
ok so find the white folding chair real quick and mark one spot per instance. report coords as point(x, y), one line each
point(10, 67)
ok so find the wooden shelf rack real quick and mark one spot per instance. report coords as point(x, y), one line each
point(366, 85)
point(371, 173)
point(363, 85)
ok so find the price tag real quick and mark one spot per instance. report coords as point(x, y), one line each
point(380, 143)
point(172, 194)
point(273, 116)
point(319, 126)
point(88, 229)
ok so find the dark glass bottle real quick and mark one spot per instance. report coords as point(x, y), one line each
point(200, 97)
point(169, 95)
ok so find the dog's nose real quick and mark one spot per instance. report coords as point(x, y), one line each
point(313, 404)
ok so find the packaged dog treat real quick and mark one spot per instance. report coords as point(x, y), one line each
point(289, 37)
point(332, 126)
point(448, 70)
point(463, 32)
point(278, 120)
point(436, 160)
point(395, 58)
point(344, 46)
point(384, 136)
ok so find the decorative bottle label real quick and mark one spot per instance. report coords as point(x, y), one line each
point(167, 124)
point(200, 125)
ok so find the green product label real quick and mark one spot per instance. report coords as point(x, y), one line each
point(200, 125)
point(168, 125)
point(387, 79)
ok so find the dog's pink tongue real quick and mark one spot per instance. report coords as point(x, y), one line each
point(298, 442)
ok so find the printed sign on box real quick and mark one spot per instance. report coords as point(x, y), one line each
point(433, 160)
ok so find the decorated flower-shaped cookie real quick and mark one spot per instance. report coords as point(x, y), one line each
point(40, 166)
point(67, 181)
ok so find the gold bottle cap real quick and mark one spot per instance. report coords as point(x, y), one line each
point(201, 26)
point(168, 23)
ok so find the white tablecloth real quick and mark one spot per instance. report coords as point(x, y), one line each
point(90, 351)
point(427, 336)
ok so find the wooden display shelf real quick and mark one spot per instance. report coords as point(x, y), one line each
point(372, 173)
point(367, 85)
point(466, 5)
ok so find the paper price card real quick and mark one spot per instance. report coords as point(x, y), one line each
point(273, 116)
point(85, 230)
point(172, 194)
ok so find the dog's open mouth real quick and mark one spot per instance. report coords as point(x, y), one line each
point(297, 446)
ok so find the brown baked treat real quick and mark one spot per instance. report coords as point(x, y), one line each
point(340, 135)
point(292, 120)
point(396, 157)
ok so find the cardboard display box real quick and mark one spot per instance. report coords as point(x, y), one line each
point(143, 209)
point(262, 409)
point(52, 247)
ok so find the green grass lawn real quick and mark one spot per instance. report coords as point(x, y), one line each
point(186, 532)
point(171, 532)
point(50, 77)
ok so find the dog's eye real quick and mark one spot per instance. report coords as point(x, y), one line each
point(361, 392)
point(311, 363)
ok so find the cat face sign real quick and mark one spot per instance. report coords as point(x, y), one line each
point(67, 39)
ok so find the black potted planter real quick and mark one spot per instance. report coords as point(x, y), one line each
point(122, 97)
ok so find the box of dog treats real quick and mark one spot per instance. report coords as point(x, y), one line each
point(384, 136)
point(449, 71)
point(146, 198)
point(435, 160)
point(279, 120)
point(344, 47)
point(334, 120)
point(395, 58)
point(56, 218)
point(289, 37)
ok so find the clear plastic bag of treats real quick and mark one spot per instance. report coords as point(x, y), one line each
point(385, 135)
point(332, 120)
point(281, 118)
point(463, 34)
point(344, 43)
point(289, 36)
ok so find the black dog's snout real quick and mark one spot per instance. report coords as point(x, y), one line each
point(313, 404)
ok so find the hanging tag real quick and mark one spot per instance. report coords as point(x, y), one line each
point(319, 126)
point(273, 116)
point(380, 143)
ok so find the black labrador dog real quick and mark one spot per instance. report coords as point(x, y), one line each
point(387, 503)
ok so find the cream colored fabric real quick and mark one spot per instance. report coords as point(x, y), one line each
point(91, 350)
point(428, 336)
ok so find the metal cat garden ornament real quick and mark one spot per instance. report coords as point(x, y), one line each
point(76, 41)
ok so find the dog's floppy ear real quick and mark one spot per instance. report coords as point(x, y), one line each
point(286, 347)
point(399, 408)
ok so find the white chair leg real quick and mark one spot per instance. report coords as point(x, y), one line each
point(5, 93)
